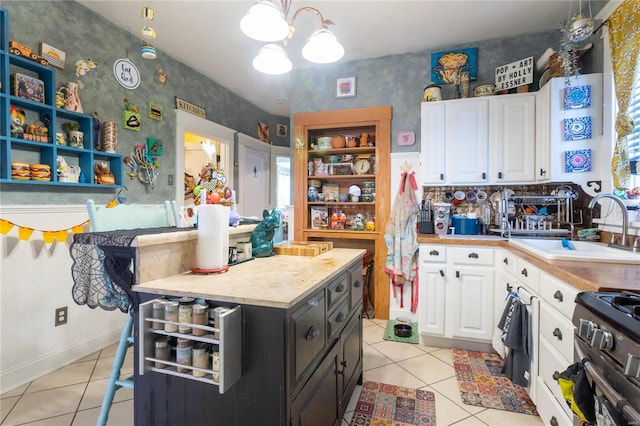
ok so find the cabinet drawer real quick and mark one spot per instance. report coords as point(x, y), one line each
point(528, 274)
point(432, 253)
point(557, 330)
point(507, 262)
point(472, 256)
point(336, 320)
point(550, 410)
point(558, 294)
point(357, 284)
point(550, 363)
point(308, 328)
point(336, 290)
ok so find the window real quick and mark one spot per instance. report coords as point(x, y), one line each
point(633, 139)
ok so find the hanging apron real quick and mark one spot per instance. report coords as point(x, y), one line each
point(401, 239)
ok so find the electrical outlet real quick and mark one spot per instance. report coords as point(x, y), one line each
point(61, 316)
point(170, 180)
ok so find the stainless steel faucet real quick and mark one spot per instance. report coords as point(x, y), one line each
point(625, 218)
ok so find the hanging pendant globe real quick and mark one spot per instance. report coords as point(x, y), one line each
point(580, 28)
point(272, 59)
point(265, 22)
point(148, 33)
point(322, 47)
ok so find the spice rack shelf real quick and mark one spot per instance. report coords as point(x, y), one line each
point(20, 149)
point(228, 343)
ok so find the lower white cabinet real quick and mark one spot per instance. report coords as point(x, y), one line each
point(456, 292)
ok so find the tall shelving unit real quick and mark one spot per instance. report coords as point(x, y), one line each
point(28, 151)
point(308, 127)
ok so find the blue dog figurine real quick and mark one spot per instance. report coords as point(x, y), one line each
point(262, 235)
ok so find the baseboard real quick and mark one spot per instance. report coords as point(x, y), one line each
point(45, 364)
point(443, 342)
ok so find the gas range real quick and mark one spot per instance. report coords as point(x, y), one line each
point(608, 336)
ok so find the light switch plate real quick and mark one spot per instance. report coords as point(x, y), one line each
point(406, 138)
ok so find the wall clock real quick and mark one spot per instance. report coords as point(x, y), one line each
point(126, 73)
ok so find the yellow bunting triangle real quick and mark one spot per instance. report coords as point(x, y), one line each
point(48, 236)
point(112, 204)
point(24, 233)
point(5, 226)
point(78, 229)
point(61, 236)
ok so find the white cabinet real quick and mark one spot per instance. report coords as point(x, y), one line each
point(456, 292)
point(543, 142)
point(513, 138)
point(467, 133)
point(434, 140)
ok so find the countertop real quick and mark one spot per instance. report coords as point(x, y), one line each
point(276, 281)
point(585, 276)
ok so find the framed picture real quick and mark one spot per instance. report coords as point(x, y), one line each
point(446, 66)
point(282, 130)
point(346, 87)
point(319, 217)
point(331, 192)
point(263, 131)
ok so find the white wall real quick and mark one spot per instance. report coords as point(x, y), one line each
point(35, 279)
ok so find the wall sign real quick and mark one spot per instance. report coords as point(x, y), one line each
point(126, 73)
point(518, 73)
point(185, 106)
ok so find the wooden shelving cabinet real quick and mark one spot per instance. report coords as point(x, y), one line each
point(308, 127)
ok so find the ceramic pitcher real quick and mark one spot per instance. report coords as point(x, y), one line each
point(71, 98)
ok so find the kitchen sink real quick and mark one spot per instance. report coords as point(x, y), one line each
point(585, 251)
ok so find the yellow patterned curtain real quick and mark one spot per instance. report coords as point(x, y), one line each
point(624, 40)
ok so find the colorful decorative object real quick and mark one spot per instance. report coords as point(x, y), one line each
point(72, 96)
point(130, 117)
point(154, 111)
point(143, 166)
point(160, 76)
point(25, 51)
point(282, 130)
point(576, 129)
point(148, 50)
point(577, 161)
point(83, 66)
point(346, 87)
point(576, 97)
point(263, 131)
point(126, 73)
point(446, 66)
point(154, 146)
point(53, 55)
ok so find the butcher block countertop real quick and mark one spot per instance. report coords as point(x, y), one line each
point(276, 281)
point(585, 276)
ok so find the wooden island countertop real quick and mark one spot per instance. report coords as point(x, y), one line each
point(277, 281)
point(585, 276)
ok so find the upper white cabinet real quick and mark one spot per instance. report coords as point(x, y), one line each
point(467, 130)
point(434, 140)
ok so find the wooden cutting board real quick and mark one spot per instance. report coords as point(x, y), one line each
point(302, 248)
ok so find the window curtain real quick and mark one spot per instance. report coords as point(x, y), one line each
point(624, 40)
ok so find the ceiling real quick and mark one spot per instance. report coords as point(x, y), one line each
point(206, 36)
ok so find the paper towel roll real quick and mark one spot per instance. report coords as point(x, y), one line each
point(212, 251)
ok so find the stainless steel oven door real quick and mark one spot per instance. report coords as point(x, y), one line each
point(612, 388)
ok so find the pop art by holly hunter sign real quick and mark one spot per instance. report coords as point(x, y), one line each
point(518, 73)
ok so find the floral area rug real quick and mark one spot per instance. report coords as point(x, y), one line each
point(381, 404)
point(481, 383)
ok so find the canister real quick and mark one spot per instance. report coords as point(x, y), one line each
point(162, 351)
point(215, 365)
point(171, 314)
point(199, 318)
point(184, 354)
point(185, 314)
point(217, 312)
point(200, 359)
point(157, 313)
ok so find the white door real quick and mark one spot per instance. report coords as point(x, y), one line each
point(431, 299)
point(543, 136)
point(470, 300)
point(467, 153)
point(513, 138)
point(433, 142)
point(253, 160)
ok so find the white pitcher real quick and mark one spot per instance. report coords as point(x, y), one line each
point(71, 98)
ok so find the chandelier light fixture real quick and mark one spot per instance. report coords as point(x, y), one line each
point(267, 21)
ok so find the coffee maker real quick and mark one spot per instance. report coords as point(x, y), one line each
point(441, 213)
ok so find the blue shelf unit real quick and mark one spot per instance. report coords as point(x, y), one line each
point(14, 148)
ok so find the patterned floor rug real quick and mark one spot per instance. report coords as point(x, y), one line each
point(381, 404)
point(390, 335)
point(481, 383)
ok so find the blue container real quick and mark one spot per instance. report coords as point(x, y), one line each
point(465, 225)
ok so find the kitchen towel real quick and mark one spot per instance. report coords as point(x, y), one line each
point(212, 251)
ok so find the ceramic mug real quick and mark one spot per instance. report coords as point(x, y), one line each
point(448, 196)
point(458, 197)
point(481, 197)
point(471, 196)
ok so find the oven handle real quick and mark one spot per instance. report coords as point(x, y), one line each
point(610, 393)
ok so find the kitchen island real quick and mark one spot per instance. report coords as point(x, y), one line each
point(299, 336)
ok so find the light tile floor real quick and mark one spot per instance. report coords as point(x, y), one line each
point(72, 395)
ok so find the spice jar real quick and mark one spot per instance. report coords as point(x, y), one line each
point(162, 351)
point(200, 359)
point(185, 314)
point(218, 311)
point(183, 354)
point(199, 318)
point(171, 314)
point(157, 313)
point(215, 365)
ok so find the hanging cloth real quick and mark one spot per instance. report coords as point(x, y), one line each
point(401, 239)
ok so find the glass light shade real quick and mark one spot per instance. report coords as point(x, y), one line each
point(322, 47)
point(272, 59)
point(265, 22)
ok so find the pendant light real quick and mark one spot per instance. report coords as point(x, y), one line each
point(580, 27)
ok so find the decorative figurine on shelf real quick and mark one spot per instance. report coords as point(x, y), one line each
point(358, 222)
point(96, 130)
point(370, 225)
point(364, 140)
point(18, 121)
point(262, 235)
point(312, 194)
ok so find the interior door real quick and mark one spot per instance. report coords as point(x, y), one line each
point(253, 162)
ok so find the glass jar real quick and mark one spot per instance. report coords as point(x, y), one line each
point(185, 314)
point(184, 354)
point(215, 365)
point(200, 359)
point(218, 311)
point(158, 313)
point(200, 313)
point(162, 351)
point(171, 314)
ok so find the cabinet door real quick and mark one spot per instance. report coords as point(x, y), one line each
point(253, 181)
point(543, 137)
point(351, 363)
point(467, 152)
point(470, 296)
point(512, 138)
point(433, 142)
point(431, 303)
point(317, 404)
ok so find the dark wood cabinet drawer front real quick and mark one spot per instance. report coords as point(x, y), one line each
point(336, 290)
point(309, 333)
point(357, 284)
point(337, 319)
